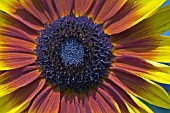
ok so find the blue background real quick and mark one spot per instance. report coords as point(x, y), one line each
point(166, 87)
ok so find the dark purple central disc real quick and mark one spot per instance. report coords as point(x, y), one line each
point(73, 53)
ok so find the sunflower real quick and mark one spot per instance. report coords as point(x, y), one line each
point(83, 56)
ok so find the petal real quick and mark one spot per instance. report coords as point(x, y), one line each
point(93, 104)
point(81, 99)
point(54, 102)
point(64, 7)
point(15, 9)
point(133, 12)
point(21, 98)
point(156, 24)
point(15, 79)
point(103, 104)
point(145, 89)
point(86, 105)
point(112, 95)
point(38, 8)
point(8, 44)
point(13, 55)
point(10, 61)
point(125, 96)
point(95, 8)
point(43, 106)
point(10, 26)
point(141, 104)
point(144, 68)
point(43, 97)
point(51, 9)
point(81, 7)
point(154, 48)
point(68, 103)
point(77, 104)
point(109, 9)
point(8, 5)
point(48, 101)
point(5, 48)
point(63, 107)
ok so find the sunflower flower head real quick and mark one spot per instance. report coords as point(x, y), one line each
point(83, 56)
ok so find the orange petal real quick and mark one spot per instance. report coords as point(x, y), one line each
point(54, 103)
point(80, 101)
point(43, 103)
point(109, 9)
point(154, 48)
point(113, 98)
point(39, 9)
point(103, 104)
point(77, 104)
point(156, 24)
point(92, 103)
point(86, 105)
point(145, 89)
point(18, 33)
point(81, 7)
point(133, 12)
point(15, 79)
point(8, 43)
point(63, 7)
point(15, 9)
point(95, 8)
point(10, 61)
point(64, 102)
point(19, 99)
point(51, 9)
point(124, 94)
point(10, 26)
point(5, 48)
point(48, 101)
point(68, 103)
point(144, 68)
point(42, 97)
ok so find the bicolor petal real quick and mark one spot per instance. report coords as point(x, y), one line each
point(155, 48)
point(108, 10)
point(47, 101)
point(154, 25)
point(144, 68)
point(81, 7)
point(40, 9)
point(64, 7)
point(124, 20)
point(68, 103)
point(15, 79)
point(145, 89)
point(15, 9)
point(141, 104)
point(14, 102)
point(9, 6)
point(9, 26)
